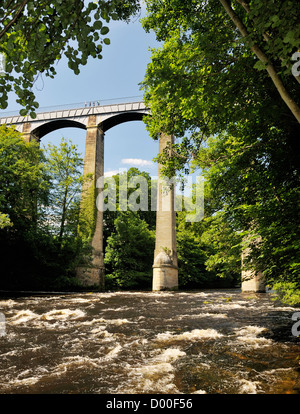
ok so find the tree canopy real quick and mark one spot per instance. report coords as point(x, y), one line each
point(35, 34)
point(129, 252)
point(210, 86)
point(210, 48)
point(37, 215)
point(23, 179)
point(64, 167)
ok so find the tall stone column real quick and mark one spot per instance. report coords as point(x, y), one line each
point(252, 281)
point(91, 215)
point(165, 268)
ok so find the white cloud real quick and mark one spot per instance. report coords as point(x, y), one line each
point(138, 162)
point(111, 173)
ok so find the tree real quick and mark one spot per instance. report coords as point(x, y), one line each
point(223, 247)
point(34, 35)
point(34, 256)
point(131, 187)
point(204, 79)
point(129, 253)
point(259, 189)
point(129, 231)
point(278, 38)
point(206, 86)
point(64, 165)
point(23, 179)
point(23, 187)
point(191, 253)
point(203, 36)
point(209, 251)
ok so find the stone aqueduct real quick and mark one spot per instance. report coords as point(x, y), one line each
point(96, 120)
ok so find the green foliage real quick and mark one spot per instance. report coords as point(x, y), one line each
point(88, 210)
point(36, 253)
point(191, 261)
point(131, 189)
point(203, 55)
point(288, 292)
point(46, 226)
point(277, 23)
point(23, 179)
point(4, 221)
point(225, 243)
point(204, 86)
point(129, 232)
point(206, 258)
point(35, 260)
point(34, 35)
point(129, 253)
point(259, 186)
point(64, 166)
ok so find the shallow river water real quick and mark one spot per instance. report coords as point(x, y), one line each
point(210, 341)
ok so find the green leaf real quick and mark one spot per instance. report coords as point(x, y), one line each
point(97, 25)
point(104, 30)
point(260, 65)
point(42, 27)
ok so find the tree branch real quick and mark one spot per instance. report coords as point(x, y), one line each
point(6, 28)
point(9, 11)
point(294, 108)
point(266, 36)
point(239, 151)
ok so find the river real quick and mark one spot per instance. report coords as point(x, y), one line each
point(198, 342)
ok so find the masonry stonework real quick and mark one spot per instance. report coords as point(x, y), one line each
point(165, 267)
point(251, 281)
point(94, 165)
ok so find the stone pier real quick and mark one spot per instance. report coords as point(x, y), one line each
point(252, 281)
point(27, 134)
point(97, 119)
point(165, 268)
point(92, 216)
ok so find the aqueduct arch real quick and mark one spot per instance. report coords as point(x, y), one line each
point(165, 268)
point(51, 126)
point(96, 120)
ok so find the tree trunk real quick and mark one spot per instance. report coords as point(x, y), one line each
point(63, 216)
point(265, 35)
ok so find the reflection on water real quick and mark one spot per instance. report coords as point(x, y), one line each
point(212, 341)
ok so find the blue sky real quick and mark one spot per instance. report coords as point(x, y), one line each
point(117, 75)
